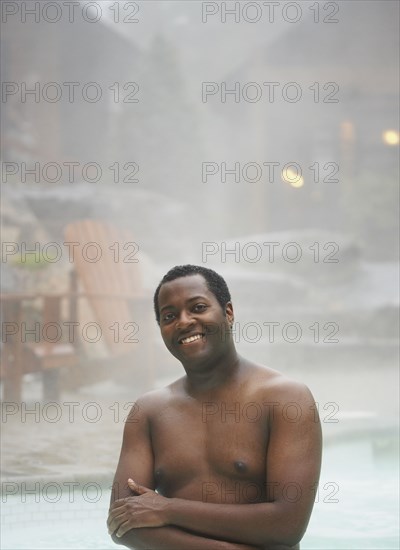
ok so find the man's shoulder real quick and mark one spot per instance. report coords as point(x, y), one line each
point(285, 398)
point(153, 400)
point(269, 382)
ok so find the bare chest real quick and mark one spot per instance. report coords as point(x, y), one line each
point(212, 442)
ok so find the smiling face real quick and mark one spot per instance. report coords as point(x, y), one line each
point(193, 324)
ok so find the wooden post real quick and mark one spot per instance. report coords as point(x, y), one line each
point(12, 351)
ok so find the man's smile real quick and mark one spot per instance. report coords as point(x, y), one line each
point(192, 338)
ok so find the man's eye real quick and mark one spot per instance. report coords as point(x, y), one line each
point(168, 317)
point(199, 307)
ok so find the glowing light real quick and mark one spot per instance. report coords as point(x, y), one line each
point(293, 178)
point(390, 137)
point(347, 130)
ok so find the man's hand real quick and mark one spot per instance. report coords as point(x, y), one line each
point(146, 509)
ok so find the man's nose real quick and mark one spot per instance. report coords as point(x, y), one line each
point(185, 320)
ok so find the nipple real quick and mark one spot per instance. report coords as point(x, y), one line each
point(240, 466)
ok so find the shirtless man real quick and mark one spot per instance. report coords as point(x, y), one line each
point(228, 456)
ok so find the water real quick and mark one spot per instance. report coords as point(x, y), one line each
point(356, 505)
point(362, 476)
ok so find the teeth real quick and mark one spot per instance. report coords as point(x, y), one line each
point(191, 338)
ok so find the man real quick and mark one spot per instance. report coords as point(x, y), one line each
point(228, 456)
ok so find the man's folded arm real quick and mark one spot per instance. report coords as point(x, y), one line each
point(172, 538)
point(136, 459)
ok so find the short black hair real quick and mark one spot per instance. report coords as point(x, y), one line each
point(215, 283)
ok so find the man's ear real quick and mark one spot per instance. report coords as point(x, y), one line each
point(229, 313)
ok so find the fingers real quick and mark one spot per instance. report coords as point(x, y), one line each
point(121, 524)
point(121, 510)
point(115, 519)
point(133, 486)
point(118, 503)
point(124, 528)
point(136, 487)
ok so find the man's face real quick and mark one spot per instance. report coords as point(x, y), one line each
point(193, 325)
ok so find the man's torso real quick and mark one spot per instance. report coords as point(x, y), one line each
point(214, 448)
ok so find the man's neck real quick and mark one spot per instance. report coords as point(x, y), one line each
point(214, 376)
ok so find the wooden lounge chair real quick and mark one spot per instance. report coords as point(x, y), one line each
point(24, 353)
point(106, 284)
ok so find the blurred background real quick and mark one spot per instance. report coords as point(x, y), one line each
point(259, 139)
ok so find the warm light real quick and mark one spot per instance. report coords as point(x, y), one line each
point(293, 178)
point(347, 130)
point(391, 137)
